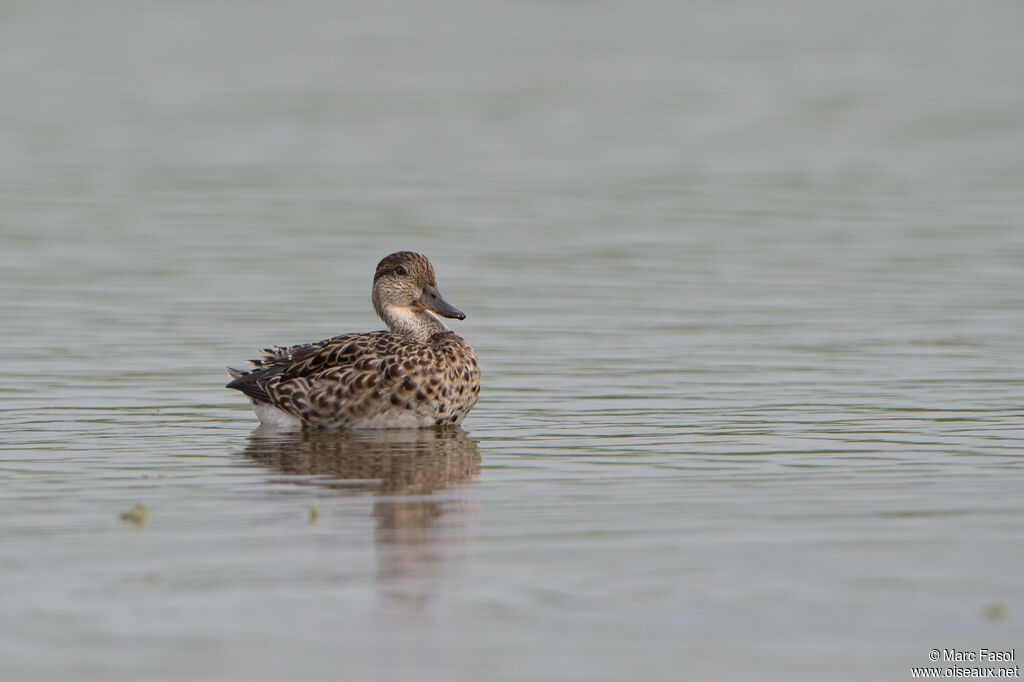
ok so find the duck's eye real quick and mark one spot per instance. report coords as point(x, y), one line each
point(401, 271)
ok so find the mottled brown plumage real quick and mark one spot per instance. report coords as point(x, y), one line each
point(418, 373)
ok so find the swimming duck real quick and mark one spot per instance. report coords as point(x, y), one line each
point(418, 373)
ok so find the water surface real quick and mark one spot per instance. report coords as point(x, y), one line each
point(744, 280)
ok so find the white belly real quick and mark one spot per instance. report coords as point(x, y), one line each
point(276, 418)
point(391, 419)
point(279, 420)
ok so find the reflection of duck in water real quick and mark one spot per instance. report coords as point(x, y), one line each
point(403, 467)
point(385, 461)
point(418, 373)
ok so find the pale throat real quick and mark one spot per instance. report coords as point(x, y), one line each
point(411, 321)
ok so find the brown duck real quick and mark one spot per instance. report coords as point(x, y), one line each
point(418, 373)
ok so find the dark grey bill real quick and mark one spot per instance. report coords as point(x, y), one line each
point(433, 302)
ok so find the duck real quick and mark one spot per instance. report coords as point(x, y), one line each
point(418, 373)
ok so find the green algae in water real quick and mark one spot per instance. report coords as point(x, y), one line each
point(136, 515)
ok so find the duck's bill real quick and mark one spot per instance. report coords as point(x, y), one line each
point(433, 301)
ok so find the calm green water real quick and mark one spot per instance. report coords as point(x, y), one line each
point(745, 280)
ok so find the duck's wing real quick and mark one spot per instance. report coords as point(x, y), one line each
point(285, 375)
point(278, 362)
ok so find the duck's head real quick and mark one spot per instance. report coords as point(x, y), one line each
point(405, 294)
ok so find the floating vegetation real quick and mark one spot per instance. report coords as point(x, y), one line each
point(314, 514)
point(136, 515)
point(994, 612)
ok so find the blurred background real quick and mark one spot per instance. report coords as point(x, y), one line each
point(744, 279)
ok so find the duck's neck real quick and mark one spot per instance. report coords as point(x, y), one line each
point(412, 322)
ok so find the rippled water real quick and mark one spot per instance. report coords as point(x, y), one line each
point(744, 279)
